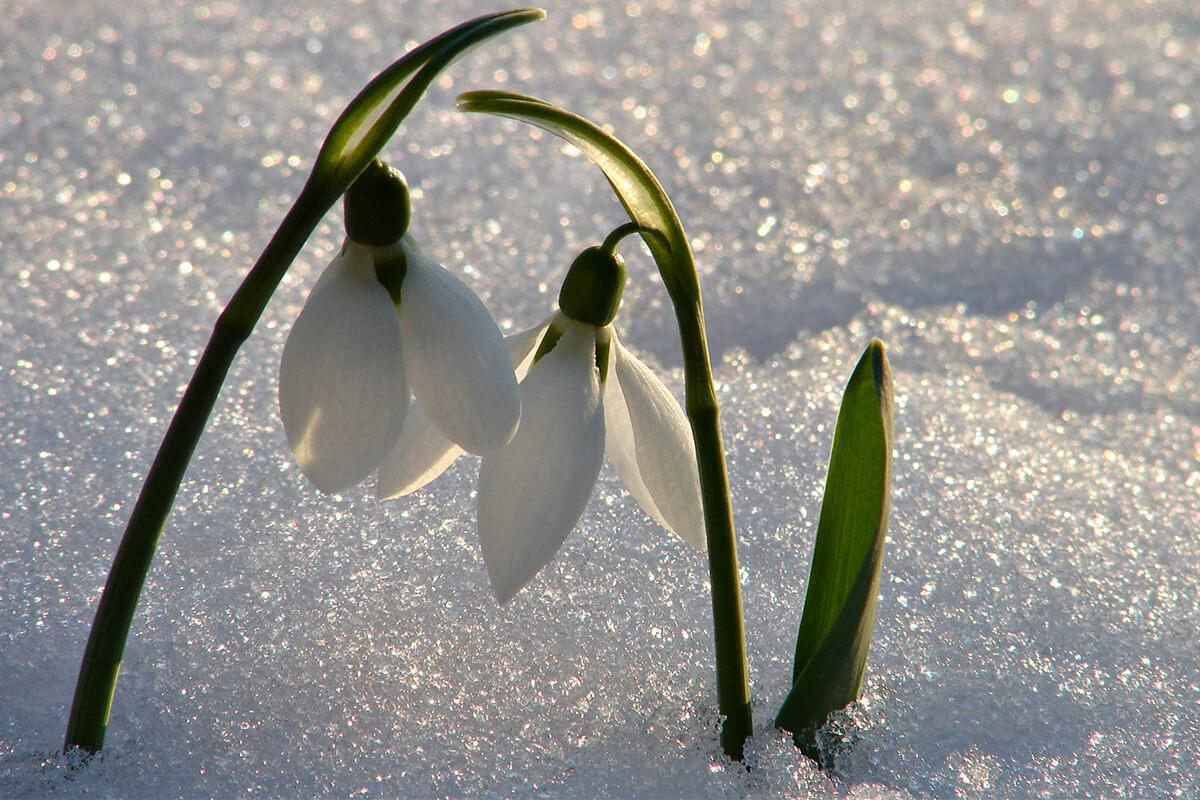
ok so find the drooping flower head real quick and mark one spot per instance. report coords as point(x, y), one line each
point(383, 323)
point(582, 395)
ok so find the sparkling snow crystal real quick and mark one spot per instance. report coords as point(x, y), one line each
point(1005, 193)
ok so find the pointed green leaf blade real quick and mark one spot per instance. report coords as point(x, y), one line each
point(839, 606)
point(356, 138)
point(634, 184)
point(377, 111)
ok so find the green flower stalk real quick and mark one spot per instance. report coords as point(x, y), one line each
point(649, 207)
point(354, 141)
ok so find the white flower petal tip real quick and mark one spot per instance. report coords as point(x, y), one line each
point(522, 346)
point(420, 455)
point(342, 388)
point(456, 359)
point(533, 491)
point(650, 443)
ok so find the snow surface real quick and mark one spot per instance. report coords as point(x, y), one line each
point(1004, 192)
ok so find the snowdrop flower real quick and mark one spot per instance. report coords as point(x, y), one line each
point(384, 318)
point(582, 395)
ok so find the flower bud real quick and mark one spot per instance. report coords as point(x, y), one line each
point(376, 207)
point(591, 292)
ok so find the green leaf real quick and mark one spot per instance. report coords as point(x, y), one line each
point(373, 116)
point(634, 184)
point(355, 139)
point(839, 607)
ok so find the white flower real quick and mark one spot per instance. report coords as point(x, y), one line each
point(353, 354)
point(533, 491)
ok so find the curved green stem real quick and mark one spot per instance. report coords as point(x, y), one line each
point(355, 139)
point(106, 642)
point(648, 206)
point(617, 234)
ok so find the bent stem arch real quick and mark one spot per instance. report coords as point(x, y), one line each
point(648, 205)
point(355, 139)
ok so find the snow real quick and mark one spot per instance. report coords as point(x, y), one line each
point(1005, 193)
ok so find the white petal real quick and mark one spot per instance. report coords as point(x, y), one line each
point(650, 443)
point(523, 346)
point(422, 453)
point(533, 491)
point(342, 391)
point(456, 360)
